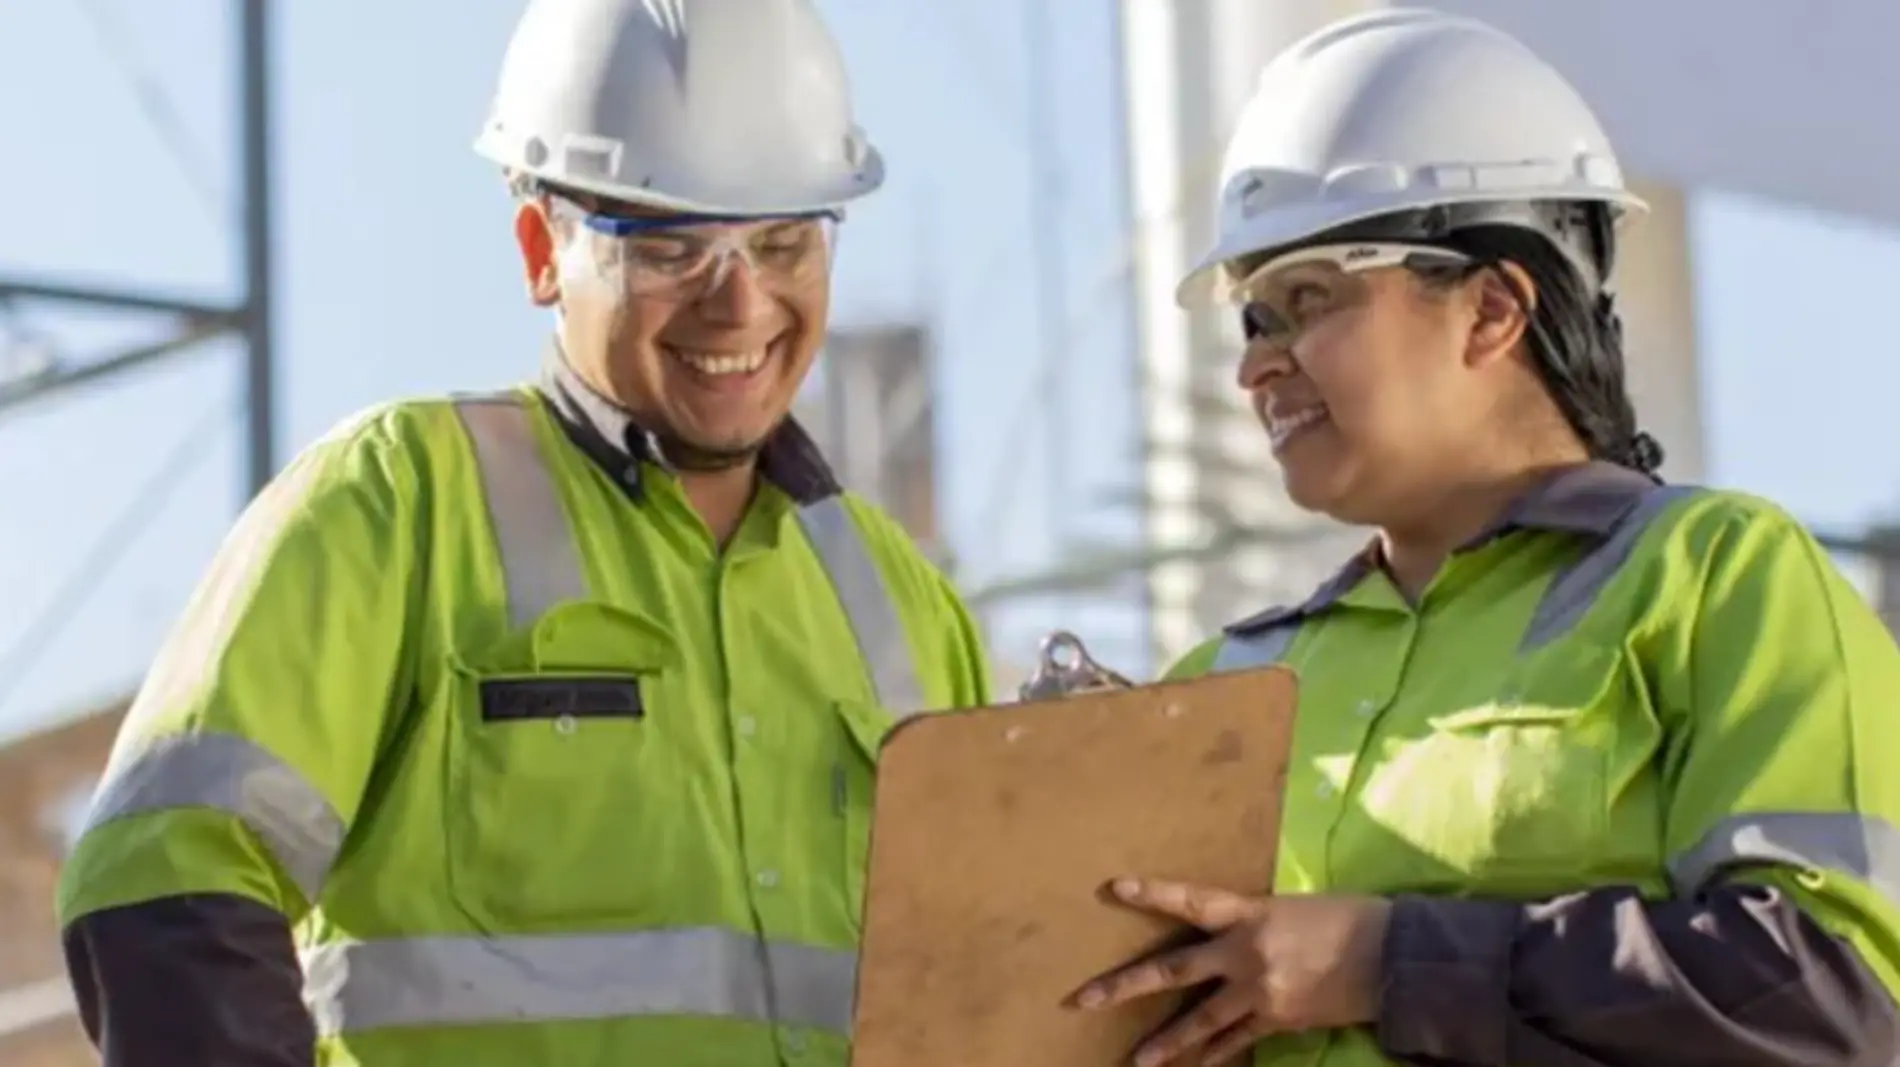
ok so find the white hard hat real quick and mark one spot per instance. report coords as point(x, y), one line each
point(724, 107)
point(1396, 111)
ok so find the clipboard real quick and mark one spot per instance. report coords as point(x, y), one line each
point(995, 831)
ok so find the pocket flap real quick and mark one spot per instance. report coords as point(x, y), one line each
point(580, 637)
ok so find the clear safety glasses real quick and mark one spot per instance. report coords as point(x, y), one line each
point(1287, 293)
point(689, 254)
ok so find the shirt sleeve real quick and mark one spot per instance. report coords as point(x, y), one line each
point(241, 764)
point(1782, 941)
point(945, 642)
point(972, 682)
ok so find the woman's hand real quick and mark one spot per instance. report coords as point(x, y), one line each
point(1284, 964)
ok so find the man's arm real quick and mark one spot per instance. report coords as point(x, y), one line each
point(240, 766)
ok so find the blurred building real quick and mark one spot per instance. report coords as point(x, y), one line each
point(872, 413)
point(871, 409)
point(46, 779)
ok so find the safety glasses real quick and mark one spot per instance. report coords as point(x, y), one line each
point(1287, 293)
point(687, 254)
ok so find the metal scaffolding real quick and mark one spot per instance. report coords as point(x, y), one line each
point(249, 318)
point(189, 323)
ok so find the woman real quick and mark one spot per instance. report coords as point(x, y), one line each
point(1589, 770)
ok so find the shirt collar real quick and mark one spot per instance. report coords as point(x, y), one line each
point(608, 434)
point(1588, 500)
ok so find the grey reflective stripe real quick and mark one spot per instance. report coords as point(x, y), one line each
point(455, 981)
point(538, 561)
point(1577, 586)
point(1264, 649)
point(1864, 847)
point(230, 774)
point(867, 604)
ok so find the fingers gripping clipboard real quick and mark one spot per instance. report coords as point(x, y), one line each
point(994, 831)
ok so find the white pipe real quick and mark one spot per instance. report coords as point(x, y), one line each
point(1151, 84)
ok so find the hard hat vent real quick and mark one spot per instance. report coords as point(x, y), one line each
point(592, 159)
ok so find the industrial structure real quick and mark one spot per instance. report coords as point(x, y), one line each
point(249, 315)
point(874, 416)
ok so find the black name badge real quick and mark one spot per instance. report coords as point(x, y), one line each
point(530, 699)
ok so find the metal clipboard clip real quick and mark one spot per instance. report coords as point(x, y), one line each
point(1064, 668)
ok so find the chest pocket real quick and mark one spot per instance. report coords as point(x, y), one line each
point(1512, 795)
point(558, 781)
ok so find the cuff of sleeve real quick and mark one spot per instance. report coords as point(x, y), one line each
point(1446, 989)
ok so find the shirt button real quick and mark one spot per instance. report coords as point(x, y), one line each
point(1324, 789)
point(747, 726)
point(1365, 708)
point(630, 476)
point(768, 878)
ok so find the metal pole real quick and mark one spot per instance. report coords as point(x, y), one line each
point(1131, 318)
point(255, 104)
point(1051, 283)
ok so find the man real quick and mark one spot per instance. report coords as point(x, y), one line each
point(539, 728)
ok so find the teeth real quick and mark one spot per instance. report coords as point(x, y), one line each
point(1281, 428)
point(722, 362)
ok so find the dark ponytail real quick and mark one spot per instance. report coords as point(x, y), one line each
point(1640, 452)
point(1576, 342)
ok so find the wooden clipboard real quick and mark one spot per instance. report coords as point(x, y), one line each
point(995, 831)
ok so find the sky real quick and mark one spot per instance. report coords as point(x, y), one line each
point(396, 278)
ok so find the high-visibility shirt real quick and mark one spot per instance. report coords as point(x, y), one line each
point(540, 775)
point(1620, 684)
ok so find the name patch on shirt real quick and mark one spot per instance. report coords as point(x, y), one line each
point(529, 699)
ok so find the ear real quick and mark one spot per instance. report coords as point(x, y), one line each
point(535, 237)
point(1504, 299)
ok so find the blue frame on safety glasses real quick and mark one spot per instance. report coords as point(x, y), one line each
point(1260, 319)
point(629, 225)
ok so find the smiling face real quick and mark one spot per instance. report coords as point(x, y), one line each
point(1377, 371)
point(703, 331)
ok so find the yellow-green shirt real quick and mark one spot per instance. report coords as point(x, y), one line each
point(1621, 685)
point(538, 772)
